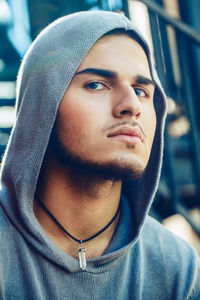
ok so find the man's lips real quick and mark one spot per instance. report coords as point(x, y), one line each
point(130, 135)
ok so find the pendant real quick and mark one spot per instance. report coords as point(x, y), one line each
point(81, 254)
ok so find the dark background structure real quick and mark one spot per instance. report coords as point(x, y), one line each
point(174, 31)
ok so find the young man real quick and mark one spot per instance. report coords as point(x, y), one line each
point(81, 170)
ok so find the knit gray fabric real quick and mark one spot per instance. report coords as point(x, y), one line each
point(46, 72)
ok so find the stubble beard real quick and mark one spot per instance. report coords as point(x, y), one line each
point(114, 170)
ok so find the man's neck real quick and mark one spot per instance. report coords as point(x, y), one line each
point(82, 204)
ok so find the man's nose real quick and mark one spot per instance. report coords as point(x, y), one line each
point(127, 103)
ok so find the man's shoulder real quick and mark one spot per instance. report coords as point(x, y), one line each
point(168, 254)
point(165, 240)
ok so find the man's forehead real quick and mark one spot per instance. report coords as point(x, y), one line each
point(111, 50)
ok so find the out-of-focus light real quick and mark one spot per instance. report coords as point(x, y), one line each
point(19, 31)
point(7, 89)
point(173, 107)
point(179, 127)
point(5, 14)
point(139, 17)
point(7, 116)
point(179, 226)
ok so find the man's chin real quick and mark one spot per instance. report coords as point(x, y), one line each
point(122, 173)
point(113, 170)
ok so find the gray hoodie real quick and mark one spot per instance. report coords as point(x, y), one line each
point(144, 260)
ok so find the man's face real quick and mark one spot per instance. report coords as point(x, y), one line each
point(106, 120)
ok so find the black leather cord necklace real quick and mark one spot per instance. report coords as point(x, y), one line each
point(81, 248)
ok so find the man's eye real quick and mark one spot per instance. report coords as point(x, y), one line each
point(95, 85)
point(140, 92)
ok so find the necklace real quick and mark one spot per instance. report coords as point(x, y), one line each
point(81, 247)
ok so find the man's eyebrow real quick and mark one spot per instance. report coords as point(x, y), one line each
point(144, 80)
point(113, 75)
point(99, 72)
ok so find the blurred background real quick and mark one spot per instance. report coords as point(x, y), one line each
point(172, 28)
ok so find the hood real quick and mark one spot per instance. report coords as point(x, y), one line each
point(45, 73)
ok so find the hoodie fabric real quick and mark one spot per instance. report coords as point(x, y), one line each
point(144, 260)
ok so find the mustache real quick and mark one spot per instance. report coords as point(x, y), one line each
point(131, 124)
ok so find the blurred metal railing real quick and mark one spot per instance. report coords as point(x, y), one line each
point(178, 199)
